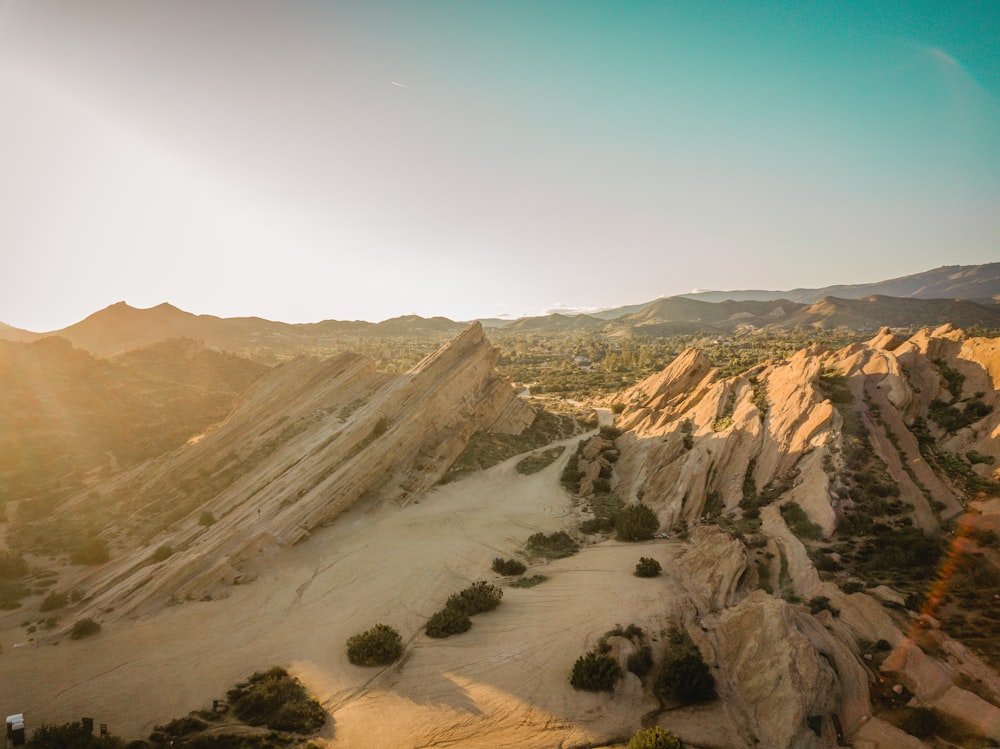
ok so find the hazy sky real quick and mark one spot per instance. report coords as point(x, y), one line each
point(360, 160)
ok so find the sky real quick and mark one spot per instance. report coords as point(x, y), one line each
point(304, 160)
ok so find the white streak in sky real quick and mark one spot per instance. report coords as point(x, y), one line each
point(943, 56)
point(401, 85)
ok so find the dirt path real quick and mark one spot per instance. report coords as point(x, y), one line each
point(503, 683)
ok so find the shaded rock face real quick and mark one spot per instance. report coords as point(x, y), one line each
point(700, 450)
point(302, 446)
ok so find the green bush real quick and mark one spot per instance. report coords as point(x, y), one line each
point(554, 545)
point(654, 738)
point(595, 672)
point(206, 518)
point(54, 601)
point(685, 677)
point(636, 523)
point(640, 662)
point(84, 628)
point(69, 736)
point(277, 700)
point(647, 567)
point(508, 566)
point(94, 551)
point(446, 622)
point(162, 553)
point(479, 597)
point(379, 646)
point(12, 566)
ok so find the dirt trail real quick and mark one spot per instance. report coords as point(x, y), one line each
point(503, 683)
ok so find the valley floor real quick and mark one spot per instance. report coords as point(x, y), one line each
point(505, 683)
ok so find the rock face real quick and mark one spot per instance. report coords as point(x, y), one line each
point(305, 444)
point(704, 451)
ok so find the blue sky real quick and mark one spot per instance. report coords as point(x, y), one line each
point(313, 160)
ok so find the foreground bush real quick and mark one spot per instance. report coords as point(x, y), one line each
point(447, 622)
point(595, 672)
point(554, 545)
point(654, 738)
point(84, 628)
point(379, 646)
point(647, 567)
point(685, 678)
point(69, 736)
point(277, 700)
point(636, 523)
point(508, 566)
point(477, 598)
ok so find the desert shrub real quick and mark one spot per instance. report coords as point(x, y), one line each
point(595, 672)
point(162, 553)
point(597, 525)
point(479, 597)
point(822, 603)
point(11, 592)
point(687, 429)
point(799, 523)
point(636, 523)
point(206, 518)
point(610, 433)
point(12, 565)
point(852, 586)
point(640, 662)
point(277, 700)
point(617, 407)
point(654, 738)
point(379, 646)
point(93, 551)
point(529, 582)
point(508, 566)
point(647, 567)
point(84, 628)
point(54, 601)
point(69, 736)
point(554, 545)
point(686, 678)
point(446, 622)
point(922, 722)
point(570, 476)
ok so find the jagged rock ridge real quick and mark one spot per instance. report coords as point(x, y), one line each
point(740, 453)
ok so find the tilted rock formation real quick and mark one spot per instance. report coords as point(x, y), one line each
point(699, 449)
point(303, 445)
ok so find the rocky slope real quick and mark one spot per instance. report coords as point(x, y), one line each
point(822, 494)
point(306, 442)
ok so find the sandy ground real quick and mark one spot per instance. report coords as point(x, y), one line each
point(502, 684)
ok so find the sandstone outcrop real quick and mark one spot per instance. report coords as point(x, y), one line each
point(303, 445)
point(703, 451)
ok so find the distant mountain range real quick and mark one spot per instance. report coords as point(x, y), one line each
point(978, 283)
point(961, 295)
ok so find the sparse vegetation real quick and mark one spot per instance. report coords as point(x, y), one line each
point(647, 567)
point(277, 700)
point(654, 738)
point(378, 646)
point(538, 461)
point(453, 619)
point(595, 672)
point(799, 523)
point(54, 601)
point(508, 566)
point(84, 628)
point(636, 523)
point(206, 518)
point(70, 736)
point(529, 582)
point(684, 676)
point(553, 545)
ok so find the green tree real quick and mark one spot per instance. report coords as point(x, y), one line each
point(654, 738)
